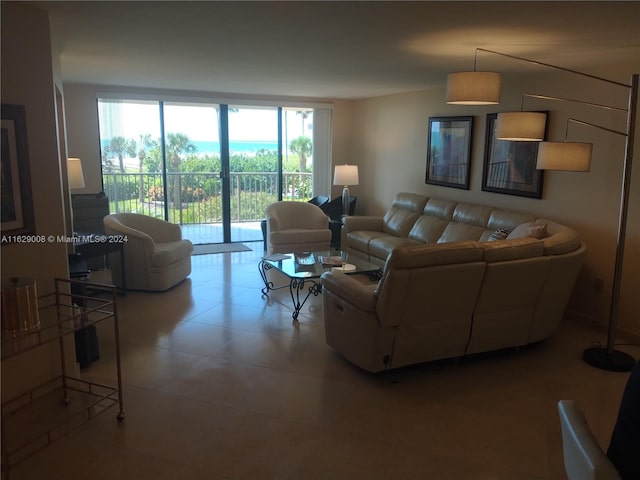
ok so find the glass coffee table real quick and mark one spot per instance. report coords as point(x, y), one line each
point(304, 269)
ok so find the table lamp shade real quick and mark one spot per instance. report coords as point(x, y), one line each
point(346, 175)
point(74, 169)
point(473, 88)
point(521, 126)
point(568, 156)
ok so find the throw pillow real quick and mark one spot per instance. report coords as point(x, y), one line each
point(529, 229)
point(499, 234)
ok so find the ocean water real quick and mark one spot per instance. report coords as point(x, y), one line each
point(238, 146)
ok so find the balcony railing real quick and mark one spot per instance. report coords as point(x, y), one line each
point(195, 198)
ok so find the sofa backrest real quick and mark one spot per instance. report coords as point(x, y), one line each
point(404, 212)
point(505, 220)
point(429, 292)
point(407, 268)
point(514, 278)
point(432, 220)
point(435, 217)
point(295, 215)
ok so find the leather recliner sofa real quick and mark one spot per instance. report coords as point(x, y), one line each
point(448, 297)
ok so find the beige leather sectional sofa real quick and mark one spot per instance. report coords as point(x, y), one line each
point(448, 288)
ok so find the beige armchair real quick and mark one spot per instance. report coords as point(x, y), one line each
point(156, 256)
point(296, 227)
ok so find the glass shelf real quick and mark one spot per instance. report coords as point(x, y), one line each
point(44, 414)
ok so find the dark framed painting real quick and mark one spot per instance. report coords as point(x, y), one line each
point(449, 151)
point(15, 186)
point(510, 167)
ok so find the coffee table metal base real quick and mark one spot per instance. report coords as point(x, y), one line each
point(297, 288)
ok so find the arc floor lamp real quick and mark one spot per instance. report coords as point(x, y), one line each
point(483, 88)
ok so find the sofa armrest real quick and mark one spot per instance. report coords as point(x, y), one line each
point(359, 295)
point(369, 223)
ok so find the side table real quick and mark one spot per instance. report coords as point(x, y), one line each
point(94, 245)
point(336, 231)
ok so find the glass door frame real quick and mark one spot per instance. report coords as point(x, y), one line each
point(223, 121)
point(225, 150)
point(225, 162)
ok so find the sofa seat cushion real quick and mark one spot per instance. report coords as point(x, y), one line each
point(382, 247)
point(361, 239)
point(166, 253)
point(299, 236)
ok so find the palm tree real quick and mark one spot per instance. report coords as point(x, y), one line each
point(119, 146)
point(303, 116)
point(177, 145)
point(107, 164)
point(301, 146)
point(146, 144)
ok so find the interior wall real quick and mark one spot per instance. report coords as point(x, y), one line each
point(27, 79)
point(390, 146)
point(83, 136)
point(342, 137)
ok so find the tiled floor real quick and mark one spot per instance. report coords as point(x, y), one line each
point(220, 385)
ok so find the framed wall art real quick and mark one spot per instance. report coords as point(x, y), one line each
point(449, 151)
point(510, 167)
point(15, 187)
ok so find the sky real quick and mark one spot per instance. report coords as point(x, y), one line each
point(198, 122)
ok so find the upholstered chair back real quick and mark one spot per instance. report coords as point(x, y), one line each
point(296, 226)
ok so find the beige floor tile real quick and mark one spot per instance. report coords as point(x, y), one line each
point(220, 385)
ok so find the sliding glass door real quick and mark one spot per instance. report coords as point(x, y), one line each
point(192, 166)
point(131, 156)
point(253, 168)
point(297, 164)
point(213, 169)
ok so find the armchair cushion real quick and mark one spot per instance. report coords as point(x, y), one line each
point(166, 253)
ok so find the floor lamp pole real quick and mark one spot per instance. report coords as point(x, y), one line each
point(608, 358)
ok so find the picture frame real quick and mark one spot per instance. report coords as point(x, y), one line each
point(510, 167)
point(17, 216)
point(449, 151)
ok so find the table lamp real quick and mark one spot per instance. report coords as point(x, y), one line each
point(345, 175)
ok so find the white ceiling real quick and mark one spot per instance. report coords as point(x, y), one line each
point(329, 49)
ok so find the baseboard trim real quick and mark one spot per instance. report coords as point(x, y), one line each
point(622, 334)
